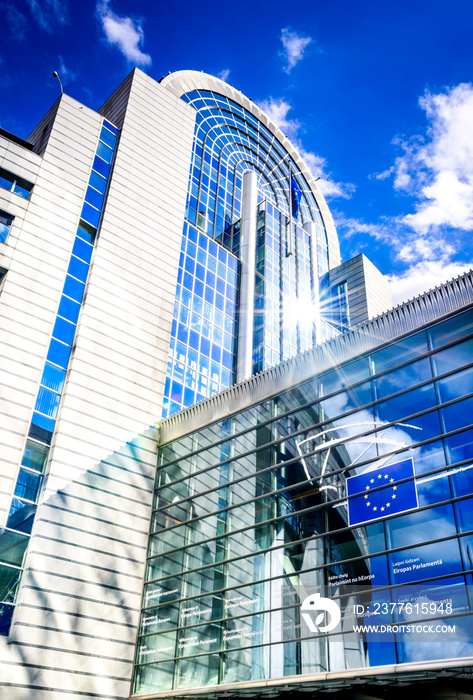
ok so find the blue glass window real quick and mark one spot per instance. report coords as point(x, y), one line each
point(458, 415)
point(459, 447)
point(403, 377)
point(453, 329)
point(101, 167)
point(91, 215)
point(53, 377)
point(73, 288)
point(28, 485)
point(451, 358)
point(82, 250)
point(205, 347)
point(456, 385)
point(97, 181)
point(416, 527)
point(462, 480)
point(397, 353)
point(21, 516)
point(111, 128)
point(35, 456)
point(104, 152)
point(94, 198)
point(9, 580)
point(406, 404)
point(464, 511)
point(5, 223)
point(107, 137)
point(58, 353)
point(69, 309)
point(44, 425)
point(78, 268)
point(47, 402)
point(63, 330)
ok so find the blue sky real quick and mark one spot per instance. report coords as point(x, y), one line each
point(377, 96)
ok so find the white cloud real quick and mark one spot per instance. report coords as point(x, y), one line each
point(49, 13)
point(123, 32)
point(354, 227)
point(277, 110)
point(437, 169)
point(423, 276)
point(223, 75)
point(294, 46)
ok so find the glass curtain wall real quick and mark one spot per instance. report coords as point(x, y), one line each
point(228, 141)
point(252, 519)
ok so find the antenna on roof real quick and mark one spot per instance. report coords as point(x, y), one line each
point(56, 75)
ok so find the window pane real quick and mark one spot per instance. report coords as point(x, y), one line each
point(396, 354)
point(110, 127)
point(97, 181)
point(23, 189)
point(6, 613)
point(406, 404)
point(450, 330)
point(63, 330)
point(344, 376)
point(101, 166)
point(44, 422)
point(21, 516)
point(93, 197)
point(90, 215)
point(47, 402)
point(9, 580)
point(401, 378)
point(6, 182)
point(5, 224)
point(69, 309)
point(73, 288)
point(456, 385)
point(87, 233)
point(104, 152)
point(107, 136)
point(28, 485)
point(78, 268)
point(58, 353)
point(459, 447)
point(12, 548)
point(459, 415)
point(451, 358)
point(35, 455)
point(53, 377)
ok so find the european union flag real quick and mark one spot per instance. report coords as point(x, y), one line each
point(296, 195)
point(378, 494)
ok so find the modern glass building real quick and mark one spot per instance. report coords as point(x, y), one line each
point(353, 483)
point(183, 349)
point(271, 259)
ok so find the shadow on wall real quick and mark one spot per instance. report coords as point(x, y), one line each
point(76, 618)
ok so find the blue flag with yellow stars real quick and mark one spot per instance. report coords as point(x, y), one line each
point(378, 494)
point(296, 195)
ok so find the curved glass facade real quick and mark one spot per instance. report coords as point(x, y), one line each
point(228, 141)
point(354, 489)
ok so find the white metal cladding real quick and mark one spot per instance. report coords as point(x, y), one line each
point(187, 80)
point(410, 316)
